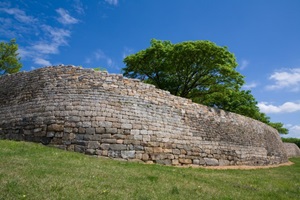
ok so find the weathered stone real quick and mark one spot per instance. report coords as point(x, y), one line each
point(93, 145)
point(90, 131)
point(185, 161)
point(164, 162)
point(128, 154)
point(145, 157)
point(112, 130)
point(118, 147)
point(175, 162)
point(103, 114)
point(126, 126)
point(224, 162)
point(157, 150)
point(105, 146)
point(211, 161)
point(100, 130)
point(55, 127)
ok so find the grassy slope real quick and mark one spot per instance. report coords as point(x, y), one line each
point(33, 171)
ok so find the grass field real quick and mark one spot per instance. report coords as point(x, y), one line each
point(32, 171)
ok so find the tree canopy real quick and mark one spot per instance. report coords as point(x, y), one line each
point(198, 70)
point(9, 60)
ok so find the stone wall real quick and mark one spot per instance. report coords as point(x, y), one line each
point(292, 149)
point(104, 114)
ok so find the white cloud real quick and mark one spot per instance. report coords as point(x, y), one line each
point(44, 48)
point(41, 61)
point(287, 107)
point(112, 2)
point(109, 62)
point(250, 86)
point(100, 55)
point(294, 131)
point(288, 78)
point(244, 64)
point(18, 14)
point(56, 37)
point(65, 18)
point(78, 6)
point(47, 39)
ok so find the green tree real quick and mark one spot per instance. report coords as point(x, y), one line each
point(292, 140)
point(194, 70)
point(198, 70)
point(9, 60)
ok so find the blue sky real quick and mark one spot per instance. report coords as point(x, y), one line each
point(264, 35)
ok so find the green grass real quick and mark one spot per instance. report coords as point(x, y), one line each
point(32, 171)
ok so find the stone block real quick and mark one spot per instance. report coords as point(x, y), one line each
point(118, 147)
point(90, 131)
point(211, 161)
point(157, 150)
point(126, 126)
point(176, 151)
point(223, 162)
point(90, 151)
point(145, 157)
point(175, 162)
point(93, 145)
point(86, 124)
point(81, 130)
point(55, 127)
point(111, 130)
point(128, 154)
point(164, 162)
point(100, 130)
point(158, 156)
point(185, 161)
point(110, 141)
point(50, 134)
point(104, 146)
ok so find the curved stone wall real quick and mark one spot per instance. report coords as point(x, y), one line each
point(292, 149)
point(104, 114)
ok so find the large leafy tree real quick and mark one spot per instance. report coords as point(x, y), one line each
point(9, 60)
point(199, 70)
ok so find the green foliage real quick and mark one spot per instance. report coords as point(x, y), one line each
point(193, 69)
point(292, 140)
point(198, 70)
point(100, 69)
point(9, 60)
point(33, 171)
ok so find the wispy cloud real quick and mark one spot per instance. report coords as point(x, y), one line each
point(99, 55)
point(250, 85)
point(65, 18)
point(78, 6)
point(55, 37)
point(294, 130)
point(18, 14)
point(287, 107)
point(41, 61)
point(112, 2)
point(286, 79)
point(48, 39)
point(244, 64)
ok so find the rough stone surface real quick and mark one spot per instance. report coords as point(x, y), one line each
point(292, 149)
point(105, 114)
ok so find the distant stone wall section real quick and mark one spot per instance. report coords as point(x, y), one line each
point(108, 115)
point(292, 149)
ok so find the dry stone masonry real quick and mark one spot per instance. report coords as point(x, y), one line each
point(292, 149)
point(108, 115)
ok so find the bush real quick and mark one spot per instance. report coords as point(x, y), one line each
point(292, 140)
